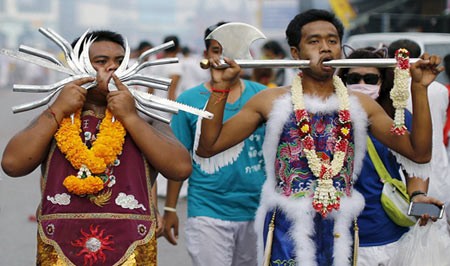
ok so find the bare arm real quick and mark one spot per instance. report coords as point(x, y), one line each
point(159, 219)
point(217, 136)
point(415, 184)
point(172, 92)
point(29, 148)
point(416, 145)
point(165, 153)
point(171, 217)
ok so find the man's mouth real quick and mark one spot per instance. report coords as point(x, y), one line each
point(326, 60)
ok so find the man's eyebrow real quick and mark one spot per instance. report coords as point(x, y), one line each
point(316, 35)
point(105, 56)
point(100, 56)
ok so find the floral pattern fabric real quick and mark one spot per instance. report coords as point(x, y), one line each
point(294, 178)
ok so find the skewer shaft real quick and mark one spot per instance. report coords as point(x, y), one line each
point(345, 63)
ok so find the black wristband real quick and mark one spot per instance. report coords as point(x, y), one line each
point(416, 193)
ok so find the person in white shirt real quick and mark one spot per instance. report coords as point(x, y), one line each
point(439, 99)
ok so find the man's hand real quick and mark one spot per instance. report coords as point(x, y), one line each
point(426, 70)
point(71, 98)
point(425, 199)
point(171, 227)
point(121, 102)
point(226, 77)
point(159, 224)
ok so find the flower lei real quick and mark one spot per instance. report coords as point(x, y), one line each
point(400, 93)
point(104, 151)
point(326, 197)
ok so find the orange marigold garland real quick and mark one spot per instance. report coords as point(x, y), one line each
point(104, 151)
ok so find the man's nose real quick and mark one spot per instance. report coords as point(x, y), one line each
point(324, 46)
point(112, 66)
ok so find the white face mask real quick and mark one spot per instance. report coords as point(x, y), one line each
point(372, 90)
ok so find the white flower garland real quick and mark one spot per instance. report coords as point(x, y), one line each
point(400, 92)
point(325, 196)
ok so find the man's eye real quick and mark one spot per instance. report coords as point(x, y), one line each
point(100, 62)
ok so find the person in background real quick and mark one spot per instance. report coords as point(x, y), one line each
point(378, 234)
point(172, 71)
point(97, 172)
point(314, 145)
point(224, 190)
point(193, 74)
point(447, 122)
point(264, 76)
point(142, 47)
point(438, 97)
point(273, 50)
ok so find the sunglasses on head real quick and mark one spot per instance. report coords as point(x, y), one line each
point(354, 78)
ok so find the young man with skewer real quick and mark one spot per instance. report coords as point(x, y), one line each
point(314, 144)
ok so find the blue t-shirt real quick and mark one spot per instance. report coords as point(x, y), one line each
point(231, 192)
point(375, 227)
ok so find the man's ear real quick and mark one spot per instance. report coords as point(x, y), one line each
point(295, 53)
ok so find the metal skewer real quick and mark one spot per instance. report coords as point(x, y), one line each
point(369, 62)
point(37, 61)
point(39, 53)
point(78, 65)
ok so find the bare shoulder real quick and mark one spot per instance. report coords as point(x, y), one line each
point(367, 103)
point(262, 102)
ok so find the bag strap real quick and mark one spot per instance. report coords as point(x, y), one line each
point(376, 160)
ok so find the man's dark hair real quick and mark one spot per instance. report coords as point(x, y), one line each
point(275, 47)
point(209, 30)
point(102, 35)
point(294, 29)
point(143, 45)
point(175, 40)
point(410, 45)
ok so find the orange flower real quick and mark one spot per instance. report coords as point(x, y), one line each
point(104, 151)
point(83, 186)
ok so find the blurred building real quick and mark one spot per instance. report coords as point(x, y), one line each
point(400, 16)
point(153, 19)
point(136, 19)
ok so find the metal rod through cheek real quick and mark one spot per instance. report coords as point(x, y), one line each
point(343, 63)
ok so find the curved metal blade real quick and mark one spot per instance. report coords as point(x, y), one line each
point(236, 38)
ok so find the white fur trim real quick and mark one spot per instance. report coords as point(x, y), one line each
point(300, 209)
point(213, 164)
point(412, 168)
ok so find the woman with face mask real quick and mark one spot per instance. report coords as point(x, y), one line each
point(378, 234)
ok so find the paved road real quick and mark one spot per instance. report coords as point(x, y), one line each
point(19, 198)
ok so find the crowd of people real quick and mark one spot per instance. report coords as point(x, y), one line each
point(281, 175)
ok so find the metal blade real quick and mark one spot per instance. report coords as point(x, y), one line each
point(180, 106)
point(36, 60)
